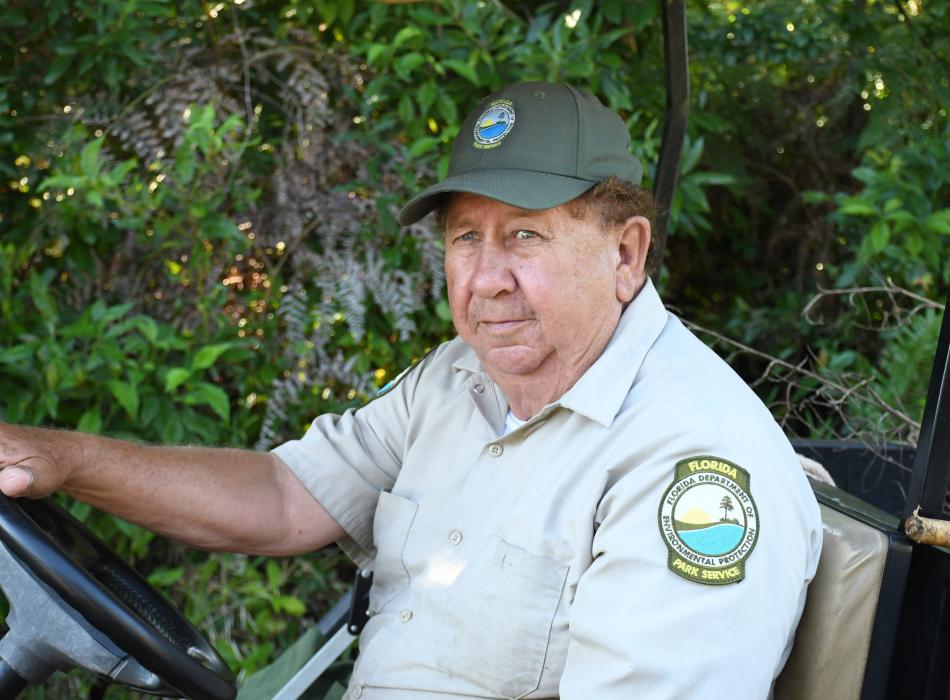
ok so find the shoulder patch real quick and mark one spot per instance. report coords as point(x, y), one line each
point(708, 520)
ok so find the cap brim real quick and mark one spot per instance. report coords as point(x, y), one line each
point(526, 189)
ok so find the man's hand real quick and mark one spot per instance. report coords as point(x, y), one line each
point(213, 498)
point(35, 462)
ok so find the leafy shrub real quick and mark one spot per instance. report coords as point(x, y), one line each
point(199, 241)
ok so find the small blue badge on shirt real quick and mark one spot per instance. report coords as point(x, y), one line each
point(708, 520)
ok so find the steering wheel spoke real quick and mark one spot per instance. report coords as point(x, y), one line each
point(75, 603)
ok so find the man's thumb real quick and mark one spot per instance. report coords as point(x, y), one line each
point(16, 481)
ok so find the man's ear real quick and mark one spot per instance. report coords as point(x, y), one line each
point(633, 244)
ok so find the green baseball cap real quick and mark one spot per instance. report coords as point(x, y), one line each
point(535, 146)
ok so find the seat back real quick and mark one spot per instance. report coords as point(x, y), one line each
point(834, 638)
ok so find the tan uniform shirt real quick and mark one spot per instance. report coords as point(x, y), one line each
point(542, 563)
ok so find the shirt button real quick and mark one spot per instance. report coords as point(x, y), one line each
point(495, 449)
point(479, 388)
point(455, 537)
point(358, 691)
point(405, 615)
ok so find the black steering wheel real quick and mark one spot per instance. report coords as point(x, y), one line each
point(105, 617)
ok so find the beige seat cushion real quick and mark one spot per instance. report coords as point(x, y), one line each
point(832, 642)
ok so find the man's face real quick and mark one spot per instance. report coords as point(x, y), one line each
point(537, 294)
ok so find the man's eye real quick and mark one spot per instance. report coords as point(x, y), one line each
point(465, 237)
point(525, 235)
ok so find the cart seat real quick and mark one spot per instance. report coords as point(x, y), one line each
point(845, 639)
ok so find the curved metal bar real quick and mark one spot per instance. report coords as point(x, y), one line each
point(676, 64)
point(931, 476)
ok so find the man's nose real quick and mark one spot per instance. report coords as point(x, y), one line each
point(493, 273)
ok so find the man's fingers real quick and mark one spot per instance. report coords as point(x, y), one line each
point(16, 481)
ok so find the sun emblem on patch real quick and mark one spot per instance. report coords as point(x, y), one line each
point(709, 521)
point(494, 124)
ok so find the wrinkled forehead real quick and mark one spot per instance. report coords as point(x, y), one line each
point(466, 209)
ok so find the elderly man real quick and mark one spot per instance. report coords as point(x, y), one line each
point(574, 498)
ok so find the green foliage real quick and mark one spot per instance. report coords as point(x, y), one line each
point(198, 236)
point(907, 357)
point(896, 222)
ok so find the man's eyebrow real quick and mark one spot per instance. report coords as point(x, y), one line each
point(464, 222)
point(516, 216)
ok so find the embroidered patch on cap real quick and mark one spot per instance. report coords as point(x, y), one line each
point(709, 521)
point(494, 124)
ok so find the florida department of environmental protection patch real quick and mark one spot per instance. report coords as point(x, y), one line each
point(494, 124)
point(708, 520)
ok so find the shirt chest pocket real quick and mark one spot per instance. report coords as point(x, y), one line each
point(391, 525)
point(498, 620)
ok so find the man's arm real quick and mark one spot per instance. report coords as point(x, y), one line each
point(213, 498)
point(638, 629)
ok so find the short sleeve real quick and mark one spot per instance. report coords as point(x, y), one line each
point(638, 629)
point(346, 460)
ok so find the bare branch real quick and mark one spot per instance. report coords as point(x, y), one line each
point(842, 391)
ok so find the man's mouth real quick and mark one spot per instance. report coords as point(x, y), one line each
point(501, 325)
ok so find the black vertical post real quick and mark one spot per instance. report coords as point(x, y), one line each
point(676, 68)
point(931, 477)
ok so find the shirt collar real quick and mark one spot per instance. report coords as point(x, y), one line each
point(601, 390)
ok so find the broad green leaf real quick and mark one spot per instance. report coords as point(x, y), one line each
point(119, 172)
point(175, 378)
point(221, 228)
point(212, 396)
point(57, 68)
point(422, 146)
point(290, 605)
point(404, 35)
point(375, 51)
point(879, 235)
point(126, 394)
point(328, 10)
point(172, 430)
point(448, 110)
point(406, 110)
point(892, 204)
point(147, 327)
point(184, 165)
point(166, 577)
point(275, 576)
point(691, 156)
point(463, 69)
point(939, 222)
point(404, 65)
point(51, 372)
point(113, 313)
point(89, 159)
point(915, 244)
point(425, 96)
point(39, 294)
point(857, 207)
point(901, 220)
point(80, 510)
point(209, 354)
point(90, 422)
point(61, 182)
point(815, 197)
point(346, 7)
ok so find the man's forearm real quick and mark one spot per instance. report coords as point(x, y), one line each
point(214, 498)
